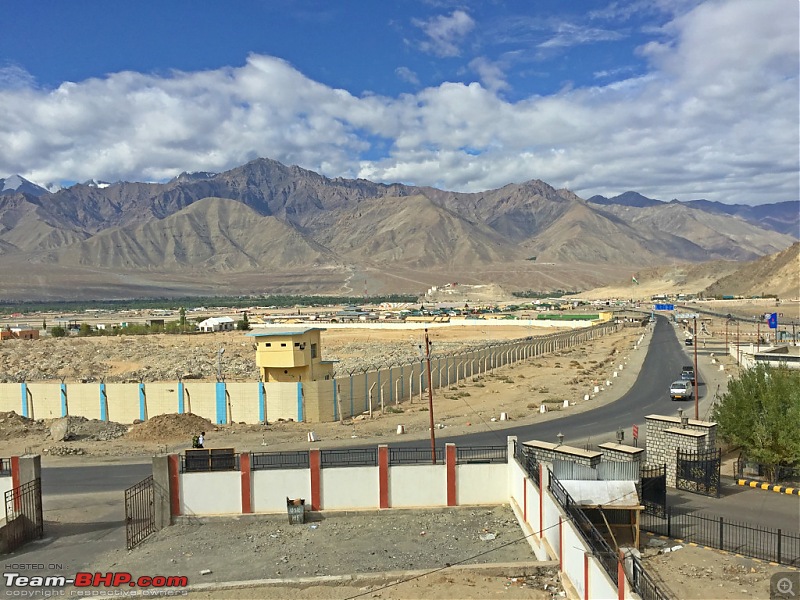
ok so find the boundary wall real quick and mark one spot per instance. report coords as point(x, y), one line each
point(550, 531)
point(254, 402)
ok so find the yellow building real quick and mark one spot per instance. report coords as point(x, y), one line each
point(292, 356)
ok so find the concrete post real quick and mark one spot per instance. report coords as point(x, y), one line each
point(161, 492)
point(30, 468)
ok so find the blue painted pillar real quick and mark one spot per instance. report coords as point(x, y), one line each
point(299, 402)
point(103, 403)
point(335, 402)
point(222, 407)
point(181, 397)
point(142, 406)
point(64, 409)
point(24, 391)
point(262, 412)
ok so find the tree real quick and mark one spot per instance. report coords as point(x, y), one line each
point(58, 331)
point(760, 413)
point(84, 330)
point(183, 318)
point(243, 324)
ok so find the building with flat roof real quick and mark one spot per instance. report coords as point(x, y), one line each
point(291, 355)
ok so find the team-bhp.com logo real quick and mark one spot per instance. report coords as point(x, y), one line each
point(156, 584)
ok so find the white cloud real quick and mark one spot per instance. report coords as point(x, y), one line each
point(407, 75)
point(570, 34)
point(714, 116)
point(445, 33)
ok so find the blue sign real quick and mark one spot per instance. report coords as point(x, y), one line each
point(664, 307)
point(773, 321)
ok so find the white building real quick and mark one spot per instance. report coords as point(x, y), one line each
point(217, 324)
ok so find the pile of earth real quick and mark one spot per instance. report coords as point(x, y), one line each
point(13, 426)
point(82, 429)
point(170, 427)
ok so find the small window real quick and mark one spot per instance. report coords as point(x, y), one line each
point(297, 344)
point(283, 344)
point(268, 345)
point(313, 351)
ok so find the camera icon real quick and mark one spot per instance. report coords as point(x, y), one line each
point(785, 586)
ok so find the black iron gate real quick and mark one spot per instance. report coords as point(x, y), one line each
point(698, 472)
point(654, 489)
point(140, 516)
point(24, 520)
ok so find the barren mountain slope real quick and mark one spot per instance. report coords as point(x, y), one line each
point(213, 233)
point(777, 274)
point(721, 235)
point(415, 232)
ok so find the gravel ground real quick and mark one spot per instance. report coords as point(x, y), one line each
point(369, 542)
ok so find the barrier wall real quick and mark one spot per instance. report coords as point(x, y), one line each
point(344, 396)
point(340, 487)
point(555, 537)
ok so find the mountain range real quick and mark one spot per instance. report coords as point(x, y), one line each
point(265, 227)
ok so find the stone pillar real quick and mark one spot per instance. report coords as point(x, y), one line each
point(161, 492)
point(30, 468)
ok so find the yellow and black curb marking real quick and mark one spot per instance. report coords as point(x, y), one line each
point(781, 489)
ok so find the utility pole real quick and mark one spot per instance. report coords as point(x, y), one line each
point(738, 351)
point(430, 395)
point(696, 407)
point(758, 334)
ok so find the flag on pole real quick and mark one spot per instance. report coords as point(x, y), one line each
point(773, 321)
point(634, 280)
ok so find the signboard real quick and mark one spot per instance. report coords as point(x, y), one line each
point(773, 321)
point(686, 316)
point(664, 307)
point(636, 432)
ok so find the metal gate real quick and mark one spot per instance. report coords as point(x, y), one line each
point(24, 520)
point(140, 515)
point(698, 472)
point(654, 489)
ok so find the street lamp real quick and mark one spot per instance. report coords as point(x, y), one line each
point(220, 352)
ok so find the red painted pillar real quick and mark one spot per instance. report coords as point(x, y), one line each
point(174, 485)
point(450, 461)
point(315, 463)
point(244, 467)
point(621, 576)
point(524, 498)
point(560, 545)
point(383, 475)
point(585, 576)
point(15, 481)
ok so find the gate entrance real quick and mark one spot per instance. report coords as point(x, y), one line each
point(654, 489)
point(24, 520)
point(140, 513)
point(698, 472)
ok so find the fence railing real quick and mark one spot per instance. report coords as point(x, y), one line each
point(24, 503)
point(414, 456)
point(745, 468)
point(5, 467)
point(643, 584)
point(481, 454)
point(599, 546)
point(140, 514)
point(765, 543)
point(279, 460)
point(351, 457)
point(525, 457)
point(222, 459)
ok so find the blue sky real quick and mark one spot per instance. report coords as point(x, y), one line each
point(672, 98)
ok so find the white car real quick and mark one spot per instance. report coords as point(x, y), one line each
point(681, 390)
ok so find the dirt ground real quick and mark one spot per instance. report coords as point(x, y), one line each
point(405, 554)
